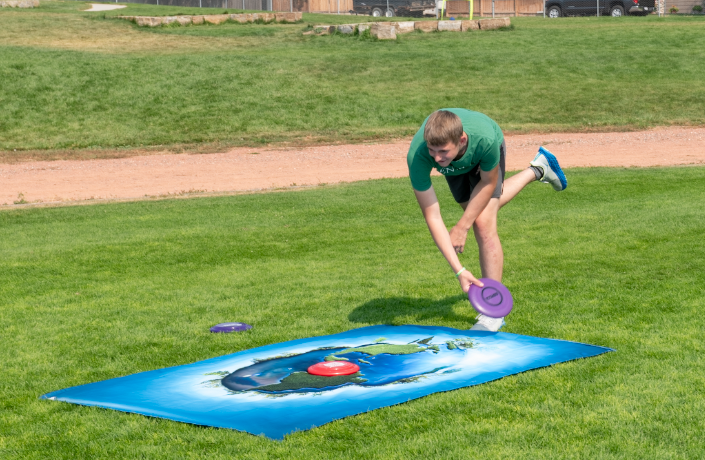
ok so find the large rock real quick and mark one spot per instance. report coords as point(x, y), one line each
point(197, 19)
point(426, 26)
point(241, 18)
point(469, 25)
point(497, 23)
point(216, 18)
point(383, 31)
point(323, 30)
point(267, 17)
point(361, 28)
point(149, 21)
point(27, 3)
point(287, 17)
point(452, 26)
point(184, 20)
point(404, 27)
point(347, 29)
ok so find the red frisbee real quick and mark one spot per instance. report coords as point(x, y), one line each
point(333, 368)
point(493, 300)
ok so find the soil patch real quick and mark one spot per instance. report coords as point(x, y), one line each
point(103, 7)
point(243, 170)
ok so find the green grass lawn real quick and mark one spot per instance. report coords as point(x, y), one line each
point(95, 292)
point(76, 80)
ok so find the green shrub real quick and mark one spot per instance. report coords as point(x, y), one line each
point(697, 9)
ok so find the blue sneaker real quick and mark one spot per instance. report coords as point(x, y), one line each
point(552, 172)
point(485, 323)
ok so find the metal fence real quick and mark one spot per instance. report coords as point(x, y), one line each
point(459, 8)
point(553, 8)
point(615, 8)
point(310, 6)
point(492, 8)
point(258, 5)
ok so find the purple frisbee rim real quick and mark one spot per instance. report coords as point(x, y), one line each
point(230, 327)
point(493, 300)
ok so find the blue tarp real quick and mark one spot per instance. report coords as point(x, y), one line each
point(265, 391)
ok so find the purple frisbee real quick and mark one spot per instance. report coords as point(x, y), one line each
point(230, 327)
point(493, 300)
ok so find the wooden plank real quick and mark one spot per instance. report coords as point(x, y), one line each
point(280, 5)
point(457, 7)
point(328, 6)
point(502, 8)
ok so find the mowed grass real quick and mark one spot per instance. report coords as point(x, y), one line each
point(77, 80)
point(95, 292)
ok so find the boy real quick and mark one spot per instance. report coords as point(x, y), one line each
point(468, 149)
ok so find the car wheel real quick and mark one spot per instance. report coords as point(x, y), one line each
point(554, 12)
point(617, 11)
point(389, 13)
point(377, 12)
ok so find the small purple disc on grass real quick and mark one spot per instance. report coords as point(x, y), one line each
point(230, 327)
point(493, 300)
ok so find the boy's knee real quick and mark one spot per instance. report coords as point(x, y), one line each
point(485, 228)
point(486, 221)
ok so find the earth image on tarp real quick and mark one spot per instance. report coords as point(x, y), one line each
point(268, 391)
point(380, 363)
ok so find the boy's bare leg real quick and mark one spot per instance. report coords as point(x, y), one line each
point(515, 184)
point(485, 226)
point(490, 248)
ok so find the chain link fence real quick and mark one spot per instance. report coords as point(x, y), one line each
point(452, 8)
point(614, 8)
point(308, 6)
point(552, 8)
point(257, 5)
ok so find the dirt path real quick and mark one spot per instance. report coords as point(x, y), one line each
point(245, 169)
point(103, 7)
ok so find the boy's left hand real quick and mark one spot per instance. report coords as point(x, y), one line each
point(458, 235)
point(467, 279)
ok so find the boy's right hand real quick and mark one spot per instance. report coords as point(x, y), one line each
point(466, 280)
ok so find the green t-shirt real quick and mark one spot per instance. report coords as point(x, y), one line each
point(484, 140)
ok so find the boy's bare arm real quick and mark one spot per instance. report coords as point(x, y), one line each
point(432, 214)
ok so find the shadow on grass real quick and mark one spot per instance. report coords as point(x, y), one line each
point(388, 310)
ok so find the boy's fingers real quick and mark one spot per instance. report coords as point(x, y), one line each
point(468, 280)
point(476, 281)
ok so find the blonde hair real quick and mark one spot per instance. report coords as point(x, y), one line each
point(443, 127)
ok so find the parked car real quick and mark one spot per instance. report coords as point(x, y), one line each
point(379, 8)
point(615, 8)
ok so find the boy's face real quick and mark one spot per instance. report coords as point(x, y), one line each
point(444, 154)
